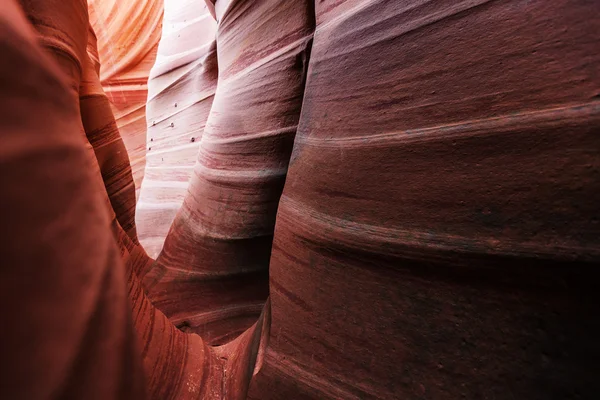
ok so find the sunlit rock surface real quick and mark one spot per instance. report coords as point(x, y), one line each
point(182, 85)
point(128, 33)
point(212, 274)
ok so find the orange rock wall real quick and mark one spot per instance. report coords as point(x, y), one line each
point(128, 35)
point(212, 274)
point(62, 274)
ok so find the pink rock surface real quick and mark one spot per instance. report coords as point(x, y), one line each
point(128, 34)
point(182, 84)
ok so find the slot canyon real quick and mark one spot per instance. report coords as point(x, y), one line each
point(300, 199)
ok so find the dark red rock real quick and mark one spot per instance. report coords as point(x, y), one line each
point(102, 133)
point(87, 329)
point(185, 71)
point(438, 232)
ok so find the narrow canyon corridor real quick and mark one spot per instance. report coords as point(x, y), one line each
point(300, 199)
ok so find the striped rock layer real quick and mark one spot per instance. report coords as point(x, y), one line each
point(211, 276)
point(414, 185)
point(128, 34)
point(182, 85)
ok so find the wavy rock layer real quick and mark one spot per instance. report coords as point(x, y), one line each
point(62, 282)
point(437, 235)
point(438, 232)
point(212, 274)
point(128, 35)
point(70, 272)
point(103, 135)
point(181, 89)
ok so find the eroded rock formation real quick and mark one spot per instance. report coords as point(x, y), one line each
point(68, 331)
point(182, 85)
point(438, 231)
point(128, 33)
point(415, 186)
point(212, 274)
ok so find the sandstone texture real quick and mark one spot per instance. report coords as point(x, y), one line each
point(335, 199)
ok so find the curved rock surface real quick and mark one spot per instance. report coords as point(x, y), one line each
point(128, 34)
point(433, 233)
point(89, 330)
point(181, 89)
point(62, 282)
point(103, 135)
point(212, 274)
point(438, 232)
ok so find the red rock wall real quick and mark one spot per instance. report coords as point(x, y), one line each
point(70, 272)
point(67, 332)
point(103, 135)
point(436, 237)
point(438, 232)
